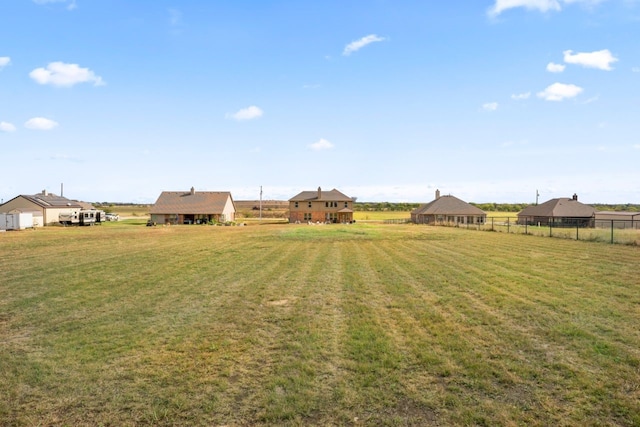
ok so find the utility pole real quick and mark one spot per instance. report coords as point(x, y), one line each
point(261, 203)
point(537, 195)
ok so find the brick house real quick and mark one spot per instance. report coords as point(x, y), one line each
point(560, 212)
point(321, 206)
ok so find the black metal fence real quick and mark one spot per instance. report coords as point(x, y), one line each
point(603, 230)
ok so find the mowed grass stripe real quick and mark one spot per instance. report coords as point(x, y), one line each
point(322, 325)
point(482, 306)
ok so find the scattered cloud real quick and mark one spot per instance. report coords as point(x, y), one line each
point(490, 106)
point(4, 61)
point(601, 59)
point(310, 86)
point(519, 96)
point(65, 75)
point(560, 91)
point(635, 70)
point(636, 146)
point(248, 113)
point(540, 5)
point(356, 45)
point(40, 123)
point(71, 4)
point(321, 144)
point(175, 21)
point(7, 127)
point(175, 17)
point(65, 157)
point(592, 99)
point(555, 68)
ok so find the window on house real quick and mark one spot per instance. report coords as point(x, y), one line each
point(309, 204)
point(307, 216)
point(346, 204)
point(295, 204)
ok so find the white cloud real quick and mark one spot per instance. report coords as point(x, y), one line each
point(541, 5)
point(175, 17)
point(4, 61)
point(600, 59)
point(635, 70)
point(490, 106)
point(555, 68)
point(7, 127)
point(560, 91)
point(248, 113)
point(61, 74)
point(70, 6)
point(321, 144)
point(592, 99)
point(518, 96)
point(359, 44)
point(40, 123)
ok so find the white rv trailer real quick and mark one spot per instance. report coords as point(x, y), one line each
point(81, 217)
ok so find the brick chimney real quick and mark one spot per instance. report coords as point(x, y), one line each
point(437, 194)
point(575, 197)
point(319, 193)
point(193, 191)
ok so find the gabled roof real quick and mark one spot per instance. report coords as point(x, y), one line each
point(561, 207)
point(447, 205)
point(50, 200)
point(321, 196)
point(191, 202)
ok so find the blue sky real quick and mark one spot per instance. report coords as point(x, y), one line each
point(488, 100)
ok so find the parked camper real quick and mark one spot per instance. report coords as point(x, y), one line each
point(16, 221)
point(81, 217)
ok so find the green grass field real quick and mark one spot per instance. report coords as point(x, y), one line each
point(364, 324)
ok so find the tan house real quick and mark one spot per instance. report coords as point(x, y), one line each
point(321, 206)
point(193, 207)
point(560, 212)
point(447, 210)
point(45, 207)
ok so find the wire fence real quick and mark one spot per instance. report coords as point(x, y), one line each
point(625, 232)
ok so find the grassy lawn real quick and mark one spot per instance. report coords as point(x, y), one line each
point(364, 324)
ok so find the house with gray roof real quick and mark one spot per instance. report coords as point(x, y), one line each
point(447, 210)
point(560, 212)
point(44, 206)
point(193, 207)
point(321, 206)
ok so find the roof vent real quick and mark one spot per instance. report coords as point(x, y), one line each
point(575, 197)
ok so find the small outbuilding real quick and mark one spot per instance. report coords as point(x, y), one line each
point(617, 219)
point(447, 210)
point(45, 207)
point(560, 212)
point(321, 206)
point(193, 207)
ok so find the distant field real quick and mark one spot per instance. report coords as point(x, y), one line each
point(363, 324)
